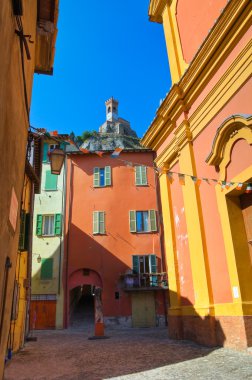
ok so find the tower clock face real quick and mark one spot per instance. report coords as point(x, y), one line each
point(109, 115)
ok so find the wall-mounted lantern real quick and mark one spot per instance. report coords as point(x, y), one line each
point(57, 157)
point(38, 258)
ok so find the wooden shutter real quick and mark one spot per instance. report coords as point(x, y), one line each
point(153, 221)
point(95, 222)
point(138, 175)
point(153, 263)
point(21, 244)
point(135, 264)
point(102, 222)
point(39, 225)
point(143, 175)
point(45, 152)
point(46, 269)
point(107, 175)
point(96, 177)
point(51, 181)
point(57, 224)
point(27, 232)
point(132, 220)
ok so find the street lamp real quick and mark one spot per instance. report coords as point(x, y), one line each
point(57, 157)
point(38, 258)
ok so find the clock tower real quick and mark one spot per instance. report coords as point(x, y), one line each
point(111, 109)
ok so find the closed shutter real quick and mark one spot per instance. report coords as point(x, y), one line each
point(107, 175)
point(27, 231)
point(39, 225)
point(51, 181)
point(21, 244)
point(138, 175)
point(57, 224)
point(95, 222)
point(153, 221)
point(45, 152)
point(101, 222)
point(96, 177)
point(135, 264)
point(132, 220)
point(46, 269)
point(144, 175)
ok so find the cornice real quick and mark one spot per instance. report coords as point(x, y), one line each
point(156, 9)
point(235, 18)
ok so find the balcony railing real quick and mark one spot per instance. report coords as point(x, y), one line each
point(148, 281)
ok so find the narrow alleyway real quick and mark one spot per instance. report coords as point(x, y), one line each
point(130, 354)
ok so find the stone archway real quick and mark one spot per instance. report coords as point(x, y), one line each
point(81, 296)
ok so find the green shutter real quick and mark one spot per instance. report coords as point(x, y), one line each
point(152, 218)
point(132, 220)
point(135, 264)
point(27, 232)
point(107, 175)
point(153, 263)
point(144, 175)
point(153, 269)
point(51, 181)
point(39, 225)
point(45, 152)
point(138, 175)
point(95, 222)
point(96, 177)
point(46, 269)
point(57, 224)
point(101, 222)
point(21, 244)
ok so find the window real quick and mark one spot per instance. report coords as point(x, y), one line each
point(142, 221)
point(102, 176)
point(46, 269)
point(51, 181)
point(48, 225)
point(141, 176)
point(24, 231)
point(145, 266)
point(98, 222)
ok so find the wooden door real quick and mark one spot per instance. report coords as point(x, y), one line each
point(42, 315)
point(143, 309)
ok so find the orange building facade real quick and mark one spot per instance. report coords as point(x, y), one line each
point(113, 237)
point(203, 131)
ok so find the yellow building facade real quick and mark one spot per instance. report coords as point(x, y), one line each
point(202, 135)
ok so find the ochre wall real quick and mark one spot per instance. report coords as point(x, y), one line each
point(13, 137)
point(111, 254)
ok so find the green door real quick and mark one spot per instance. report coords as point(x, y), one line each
point(143, 309)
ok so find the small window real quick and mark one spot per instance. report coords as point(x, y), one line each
point(142, 221)
point(143, 265)
point(46, 269)
point(98, 222)
point(102, 176)
point(141, 176)
point(48, 225)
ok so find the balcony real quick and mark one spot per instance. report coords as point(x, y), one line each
point(144, 281)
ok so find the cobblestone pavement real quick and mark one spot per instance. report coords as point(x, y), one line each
point(133, 354)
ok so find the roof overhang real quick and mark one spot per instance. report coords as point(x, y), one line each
point(156, 8)
point(47, 17)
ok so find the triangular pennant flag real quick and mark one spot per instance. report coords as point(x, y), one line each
point(248, 188)
point(228, 184)
point(84, 150)
point(196, 180)
point(99, 153)
point(239, 186)
point(181, 178)
point(206, 180)
point(170, 177)
point(116, 152)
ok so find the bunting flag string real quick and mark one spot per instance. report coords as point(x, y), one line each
point(170, 174)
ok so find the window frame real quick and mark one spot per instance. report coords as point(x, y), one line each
point(100, 223)
point(107, 176)
point(141, 178)
point(52, 224)
point(152, 221)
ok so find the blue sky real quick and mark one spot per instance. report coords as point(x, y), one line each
point(103, 49)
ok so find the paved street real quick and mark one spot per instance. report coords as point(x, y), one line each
point(133, 354)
